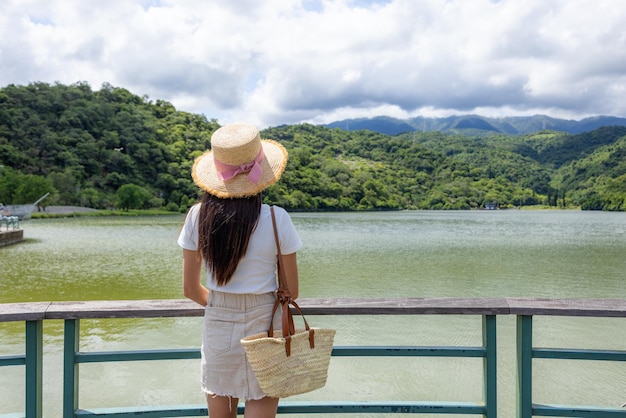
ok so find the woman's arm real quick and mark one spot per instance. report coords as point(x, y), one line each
point(192, 286)
point(290, 266)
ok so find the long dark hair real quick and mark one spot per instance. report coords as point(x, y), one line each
point(225, 227)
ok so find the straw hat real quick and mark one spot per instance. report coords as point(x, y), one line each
point(239, 163)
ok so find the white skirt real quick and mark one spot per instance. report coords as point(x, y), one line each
point(228, 318)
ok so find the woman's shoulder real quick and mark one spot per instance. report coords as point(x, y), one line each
point(195, 208)
point(193, 211)
point(278, 210)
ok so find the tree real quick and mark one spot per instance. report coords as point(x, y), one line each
point(16, 188)
point(131, 196)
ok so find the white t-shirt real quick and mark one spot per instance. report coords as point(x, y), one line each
point(256, 271)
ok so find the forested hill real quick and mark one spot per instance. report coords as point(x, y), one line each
point(109, 148)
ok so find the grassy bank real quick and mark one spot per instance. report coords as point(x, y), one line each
point(104, 212)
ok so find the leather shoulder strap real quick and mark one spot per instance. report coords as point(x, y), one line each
point(282, 282)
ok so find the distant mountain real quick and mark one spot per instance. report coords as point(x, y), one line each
point(475, 124)
point(381, 124)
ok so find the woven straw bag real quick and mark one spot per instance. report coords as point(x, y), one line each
point(289, 361)
point(287, 365)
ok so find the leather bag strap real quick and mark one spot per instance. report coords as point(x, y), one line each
point(283, 298)
point(282, 280)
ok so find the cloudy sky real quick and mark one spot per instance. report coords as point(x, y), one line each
point(275, 62)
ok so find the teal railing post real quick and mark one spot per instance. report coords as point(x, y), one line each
point(34, 367)
point(490, 366)
point(71, 344)
point(524, 366)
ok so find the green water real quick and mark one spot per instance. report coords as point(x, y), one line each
point(560, 254)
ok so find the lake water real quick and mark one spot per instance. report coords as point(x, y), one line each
point(516, 253)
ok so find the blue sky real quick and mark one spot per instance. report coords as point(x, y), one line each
point(273, 62)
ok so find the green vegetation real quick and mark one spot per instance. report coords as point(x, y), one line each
point(89, 144)
point(110, 149)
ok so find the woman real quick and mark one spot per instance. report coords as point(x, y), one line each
point(230, 233)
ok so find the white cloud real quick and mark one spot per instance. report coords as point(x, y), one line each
point(285, 61)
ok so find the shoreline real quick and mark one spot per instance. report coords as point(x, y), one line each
point(77, 211)
point(60, 210)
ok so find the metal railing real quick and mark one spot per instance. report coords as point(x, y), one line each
point(34, 315)
point(10, 221)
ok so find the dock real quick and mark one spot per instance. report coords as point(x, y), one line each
point(11, 236)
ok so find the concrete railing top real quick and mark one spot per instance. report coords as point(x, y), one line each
point(33, 311)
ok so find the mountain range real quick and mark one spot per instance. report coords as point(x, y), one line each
point(477, 125)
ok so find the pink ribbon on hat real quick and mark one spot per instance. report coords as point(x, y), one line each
point(227, 171)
